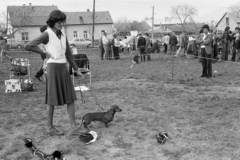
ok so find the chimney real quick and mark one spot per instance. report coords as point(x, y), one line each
point(88, 10)
point(30, 5)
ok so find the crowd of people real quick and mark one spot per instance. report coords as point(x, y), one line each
point(189, 44)
point(111, 48)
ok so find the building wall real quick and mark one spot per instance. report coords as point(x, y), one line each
point(34, 32)
point(81, 28)
point(232, 23)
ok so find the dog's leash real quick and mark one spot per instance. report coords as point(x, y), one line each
point(93, 96)
point(82, 97)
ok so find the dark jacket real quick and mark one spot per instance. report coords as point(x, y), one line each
point(173, 40)
point(208, 43)
point(141, 42)
point(237, 44)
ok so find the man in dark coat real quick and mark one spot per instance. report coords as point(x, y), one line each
point(206, 52)
point(237, 30)
point(142, 45)
point(173, 42)
point(101, 46)
point(225, 42)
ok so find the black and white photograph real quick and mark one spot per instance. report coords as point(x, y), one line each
point(119, 80)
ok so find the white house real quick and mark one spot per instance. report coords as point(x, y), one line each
point(79, 24)
point(228, 19)
point(24, 22)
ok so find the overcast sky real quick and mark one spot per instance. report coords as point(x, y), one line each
point(132, 9)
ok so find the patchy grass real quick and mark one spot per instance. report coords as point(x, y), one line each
point(200, 115)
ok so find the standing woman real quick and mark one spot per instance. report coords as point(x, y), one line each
point(59, 87)
point(105, 46)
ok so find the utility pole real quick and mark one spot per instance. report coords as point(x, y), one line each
point(152, 21)
point(212, 24)
point(93, 23)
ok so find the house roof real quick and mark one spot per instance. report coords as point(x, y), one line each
point(38, 15)
point(29, 15)
point(191, 28)
point(101, 17)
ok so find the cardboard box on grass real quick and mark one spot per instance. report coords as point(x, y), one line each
point(13, 85)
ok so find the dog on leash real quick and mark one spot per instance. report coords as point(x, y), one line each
point(104, 117)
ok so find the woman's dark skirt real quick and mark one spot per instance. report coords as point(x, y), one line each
point(59, 86)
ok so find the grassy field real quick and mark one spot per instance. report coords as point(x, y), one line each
point(201, 116)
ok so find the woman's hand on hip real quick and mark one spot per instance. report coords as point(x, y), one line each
point(48, 55)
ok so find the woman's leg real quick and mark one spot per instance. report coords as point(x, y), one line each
point(71, 113)
point(50, 117)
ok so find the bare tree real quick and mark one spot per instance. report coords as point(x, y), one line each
point(122, 23)
point(183, 13)
point(235, 9)
point(125, 24)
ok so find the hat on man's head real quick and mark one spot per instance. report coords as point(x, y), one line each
point(205, 26)
point(227, 28)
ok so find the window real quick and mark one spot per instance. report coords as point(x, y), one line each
point(227, 21)
point(75, 34)
point(85, 34)
point(25, 36)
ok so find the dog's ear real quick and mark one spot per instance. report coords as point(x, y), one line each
point(114, 106)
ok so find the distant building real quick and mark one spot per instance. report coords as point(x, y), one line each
point(228, 19)
point(24, 22)
point(79, 24)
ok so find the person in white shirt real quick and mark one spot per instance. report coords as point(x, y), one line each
point(165, 42)
point(125, 45)
point(105, 45)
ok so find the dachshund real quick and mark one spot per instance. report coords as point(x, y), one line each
point(104, 117)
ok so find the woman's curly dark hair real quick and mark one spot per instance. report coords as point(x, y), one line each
point(56, 16)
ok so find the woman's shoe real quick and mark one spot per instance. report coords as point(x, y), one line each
point(55, 132)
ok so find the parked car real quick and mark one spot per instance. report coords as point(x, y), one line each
point(15, 43)
point(79, 43)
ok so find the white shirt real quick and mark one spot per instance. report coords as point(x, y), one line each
point(116, 42)
point(57, 47)
point(104, 40)
point(166, 39)
point(125, 42)
point(203, 46)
